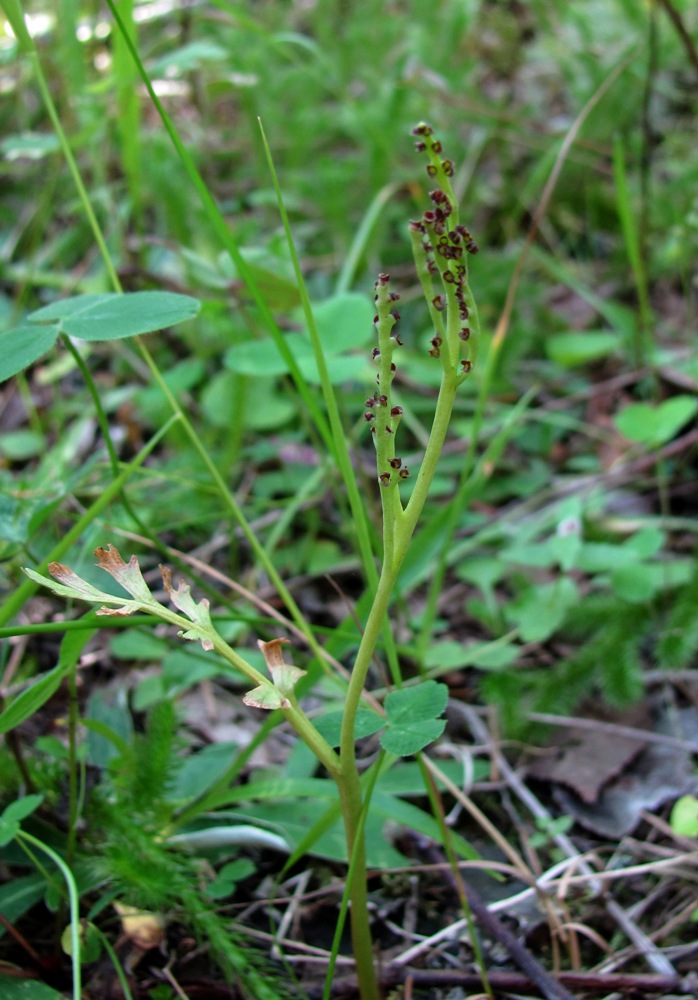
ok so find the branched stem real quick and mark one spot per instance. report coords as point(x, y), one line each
point(440, 245)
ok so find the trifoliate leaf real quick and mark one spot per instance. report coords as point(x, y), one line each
point(406, 740)
point(14, 814)
point(415, 704)
point(412, 717)
point(655, 425)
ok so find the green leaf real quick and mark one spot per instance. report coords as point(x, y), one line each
point(11, 819)
point(598, 557)
point(63, 308)
point(412, 717)
point(329, 725)
point(137, 644)
point(343, 322)
point(655, 425)
point(296, 817)
point(19, 895)
point(635, 583)
point(32, 698)
point(646, 542)
point(225, 882)
point(187, 58)
point(12, 988)
point(113, 316)
point(110, 727)
point(19, 446)
point(201, 770)
point(22, 346)
point(409, 739)
point(406, 780)
point(579, 348)
point(540, 611)
point(90, 942)
point(29, 146)
point(684, 816)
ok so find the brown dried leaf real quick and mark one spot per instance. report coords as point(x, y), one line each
point(144, 928)
point(589, 762)
point(67, 583)
point(633, 776)
point(128, 575)
point(284, 675)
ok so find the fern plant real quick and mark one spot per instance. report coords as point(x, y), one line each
point(127, 814)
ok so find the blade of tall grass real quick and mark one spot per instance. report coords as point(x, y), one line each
point(363, 233)
point(227, 239)
point(634, 252)
point(27, 841)
point(339, 434)
point(128, 111)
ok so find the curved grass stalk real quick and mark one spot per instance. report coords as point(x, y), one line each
point(25, 838)
point(363, 233)
point(339, 437)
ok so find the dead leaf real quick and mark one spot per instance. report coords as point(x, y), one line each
point(656, 774)
point(143, 928)
point(128, 575)
point(588, 758)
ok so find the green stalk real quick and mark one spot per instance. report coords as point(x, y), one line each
point(634, 251)
point(438, 250)
point(355, 858)
point(352, 802)
point(405, 525)
point(26, 838)
point(339, 437)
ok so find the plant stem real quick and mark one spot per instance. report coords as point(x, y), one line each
point(25, 838)
point(362, 942)
point(348, 776)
